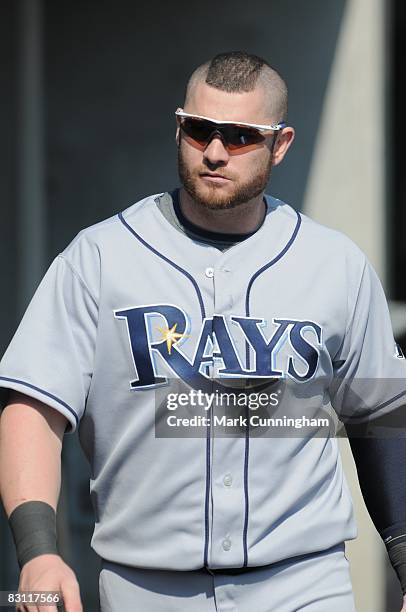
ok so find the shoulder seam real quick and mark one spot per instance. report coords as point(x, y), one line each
point(92, 228)
point(80, 279)
point(350, 315)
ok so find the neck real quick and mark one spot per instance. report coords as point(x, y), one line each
point(242, 219)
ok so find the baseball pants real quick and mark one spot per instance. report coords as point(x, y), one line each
point(311, 583)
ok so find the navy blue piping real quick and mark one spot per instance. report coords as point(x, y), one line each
point(272, 262)
point(247, 312)
point(171, 263)
point(265, 267)
point(390, 401)
point(26, 384)
point(361, 419)
point(203, 313)
point(246, 498)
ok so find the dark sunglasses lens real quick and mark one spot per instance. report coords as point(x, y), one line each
point(198, 129)
point(234, 135)
point(240, 136)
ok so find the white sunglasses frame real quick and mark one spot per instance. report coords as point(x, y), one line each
point(261, 128)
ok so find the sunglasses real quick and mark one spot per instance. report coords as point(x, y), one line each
point(234, 135)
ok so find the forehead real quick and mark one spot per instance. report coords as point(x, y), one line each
point(249, 106)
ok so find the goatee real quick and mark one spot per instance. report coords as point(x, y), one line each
point(213, 198)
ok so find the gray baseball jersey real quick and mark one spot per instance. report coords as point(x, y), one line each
point(132, 305)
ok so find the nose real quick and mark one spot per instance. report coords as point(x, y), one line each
point(216, 153)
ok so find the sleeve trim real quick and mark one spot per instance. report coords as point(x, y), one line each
point(378, 411)
point(50, 395)
point(390, 401)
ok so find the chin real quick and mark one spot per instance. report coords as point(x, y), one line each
point(215, 197)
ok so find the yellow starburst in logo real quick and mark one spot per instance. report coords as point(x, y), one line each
point(171, 336)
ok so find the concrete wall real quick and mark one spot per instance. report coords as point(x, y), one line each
point(346, 183)
point(347, 189)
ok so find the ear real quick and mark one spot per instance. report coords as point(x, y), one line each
point(283, 141)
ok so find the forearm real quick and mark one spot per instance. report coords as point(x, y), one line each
point(31, 436)
point(379, 452)
point(30, 452)
point(381, 465)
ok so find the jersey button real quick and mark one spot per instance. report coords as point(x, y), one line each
point(226, 544)
point(227, 480)
point(209, 272)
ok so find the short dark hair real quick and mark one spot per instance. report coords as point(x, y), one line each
point(235, 71)
point(238, 71)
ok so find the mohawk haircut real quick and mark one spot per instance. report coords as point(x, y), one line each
point(235, 71)
point(238, 72)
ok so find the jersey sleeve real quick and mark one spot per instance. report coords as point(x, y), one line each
point(369, 369)
point(50, 356)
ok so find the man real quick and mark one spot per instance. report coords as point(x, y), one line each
point(209, 286)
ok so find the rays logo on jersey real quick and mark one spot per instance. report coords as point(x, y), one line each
point(161, 332)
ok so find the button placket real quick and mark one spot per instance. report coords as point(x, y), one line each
point(228, 494)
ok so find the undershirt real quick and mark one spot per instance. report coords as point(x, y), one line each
point(169, 205)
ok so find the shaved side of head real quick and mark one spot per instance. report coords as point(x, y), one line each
point(237, 72)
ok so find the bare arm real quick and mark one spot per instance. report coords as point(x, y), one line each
point(30, 452)
point(31, 435)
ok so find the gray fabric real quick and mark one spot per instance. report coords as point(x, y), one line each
point(33, 525)
point(315, 583)
point(90, 345)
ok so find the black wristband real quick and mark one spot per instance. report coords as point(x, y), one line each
point(394, 538)
point(33, 525)
point(397, 556)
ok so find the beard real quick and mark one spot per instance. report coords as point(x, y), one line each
point(212, 196)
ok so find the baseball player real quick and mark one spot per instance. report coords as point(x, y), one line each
point(206, 288)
